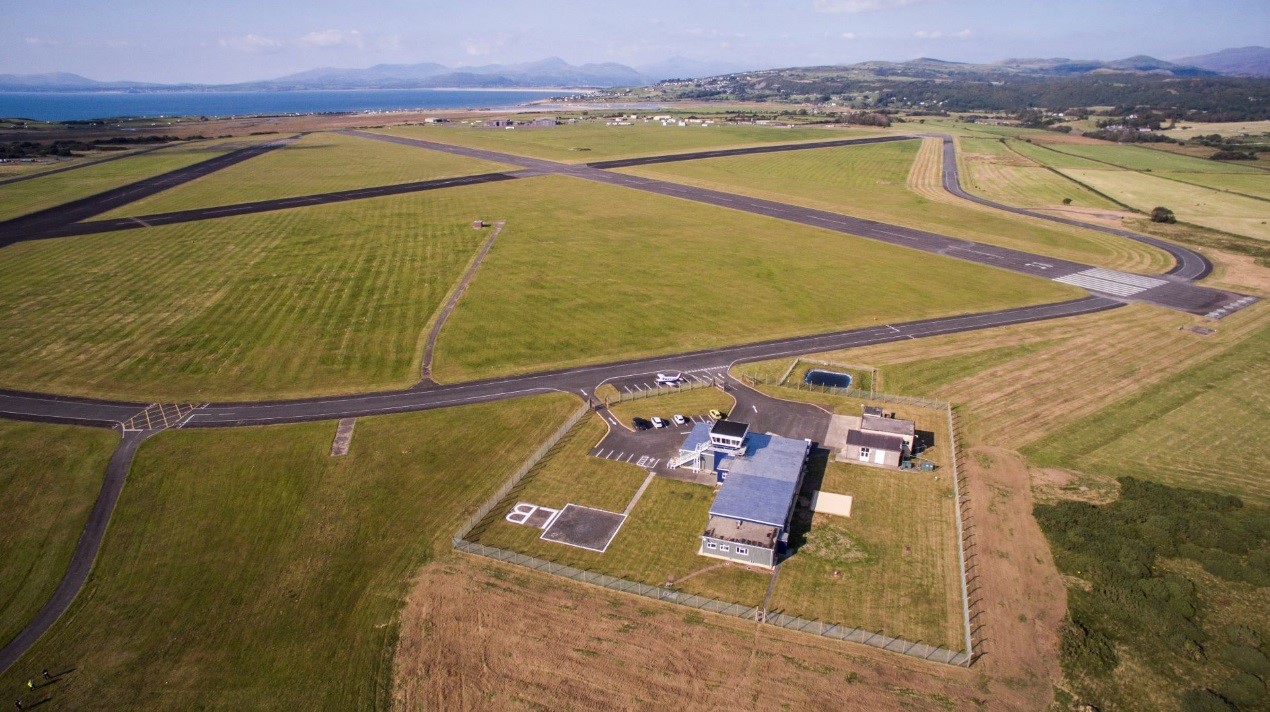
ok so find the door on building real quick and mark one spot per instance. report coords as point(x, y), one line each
point(879, 457)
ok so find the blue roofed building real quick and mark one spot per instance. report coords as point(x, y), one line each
point(760, 475)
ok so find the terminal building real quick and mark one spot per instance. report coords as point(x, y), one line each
point(759, 477)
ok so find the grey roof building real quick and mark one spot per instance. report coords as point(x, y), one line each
point(760, 475)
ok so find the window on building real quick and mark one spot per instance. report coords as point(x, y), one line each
point(723, 548)
point(742, 551)
point(711, 545)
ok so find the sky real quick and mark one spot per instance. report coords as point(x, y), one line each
point(224, 41)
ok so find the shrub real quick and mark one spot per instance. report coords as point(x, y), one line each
point(1162, 215)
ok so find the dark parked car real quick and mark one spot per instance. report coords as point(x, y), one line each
point(642, 424)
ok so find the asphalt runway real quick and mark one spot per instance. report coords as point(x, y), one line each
point(262, 206)
point(581, 380)
point(51, 221)
point(1181, 295)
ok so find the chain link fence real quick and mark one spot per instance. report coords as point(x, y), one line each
point(750, 613)
point(639, 394)
point(520, 473)
point(875, 639)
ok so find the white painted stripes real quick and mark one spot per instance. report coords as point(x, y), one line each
point(1109, 281)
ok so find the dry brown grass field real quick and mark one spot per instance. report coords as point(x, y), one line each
point(478, 635)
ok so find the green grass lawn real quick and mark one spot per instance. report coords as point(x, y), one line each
point(895, 557)
point(49, 478)
point(249, 569)
point(596, 141)
point(632, 273)
point(316, 300)
point(1208, 427)
point(317, 163)
point(29, 196)
point(1051, 155)
point(871, 182)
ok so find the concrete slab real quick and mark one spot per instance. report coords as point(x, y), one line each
point(836, 436)
point(831, 503)
point(343, 437)
point(584, 527)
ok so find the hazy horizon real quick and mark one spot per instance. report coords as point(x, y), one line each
point(240, 41)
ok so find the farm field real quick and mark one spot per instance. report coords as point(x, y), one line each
point(991, 169)
point(1209, 208)
point(1225, 128)
point(1136, 158)
point(1249, 184)
point(595, 141)
point(317, 163)
point(49, 478)
point(28, 196)
point(1207, 427)
point(621, 281)
point(874, 181)
point(322, 299)
point(658, 541)
point(239, 561)
point(891, 565)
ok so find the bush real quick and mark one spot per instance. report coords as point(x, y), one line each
point(1244, 691)
point(1162, 215)
point(1067, 201)
point(1233, 156)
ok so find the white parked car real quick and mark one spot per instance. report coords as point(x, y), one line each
point(679, 419)
point(658, 422)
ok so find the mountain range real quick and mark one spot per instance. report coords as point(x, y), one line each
point(555, 72)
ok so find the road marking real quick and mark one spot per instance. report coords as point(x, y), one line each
point(1121, 284)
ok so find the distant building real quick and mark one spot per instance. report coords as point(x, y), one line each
point(760, 476)
point(544, 122)
point(498, 123)
point(435, 120)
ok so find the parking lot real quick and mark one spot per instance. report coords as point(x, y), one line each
point(648, 381)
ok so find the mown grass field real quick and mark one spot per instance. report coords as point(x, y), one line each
point(248, 568)
point(991, 168)
point(35, 194)
point(657, 543)
point(324, 299)
point(890, 566)
point(874, 182)
point(1219, 210)
point(595, 141)
point(317, 163)
point(586, 273)
point(49, 478)
point(1207, 427)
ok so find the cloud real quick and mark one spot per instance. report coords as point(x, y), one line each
point(42, 42)
point(853, 6)
point(333, 38)
point(253, 43)
point(849, 35)
point(939, 34)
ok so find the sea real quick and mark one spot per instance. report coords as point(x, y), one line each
point(86, 106)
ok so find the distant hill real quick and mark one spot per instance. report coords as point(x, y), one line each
point(550, 72)
point(63, 81)
point(1239, 61)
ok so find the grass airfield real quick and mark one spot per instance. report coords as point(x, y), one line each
point(248, 568)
